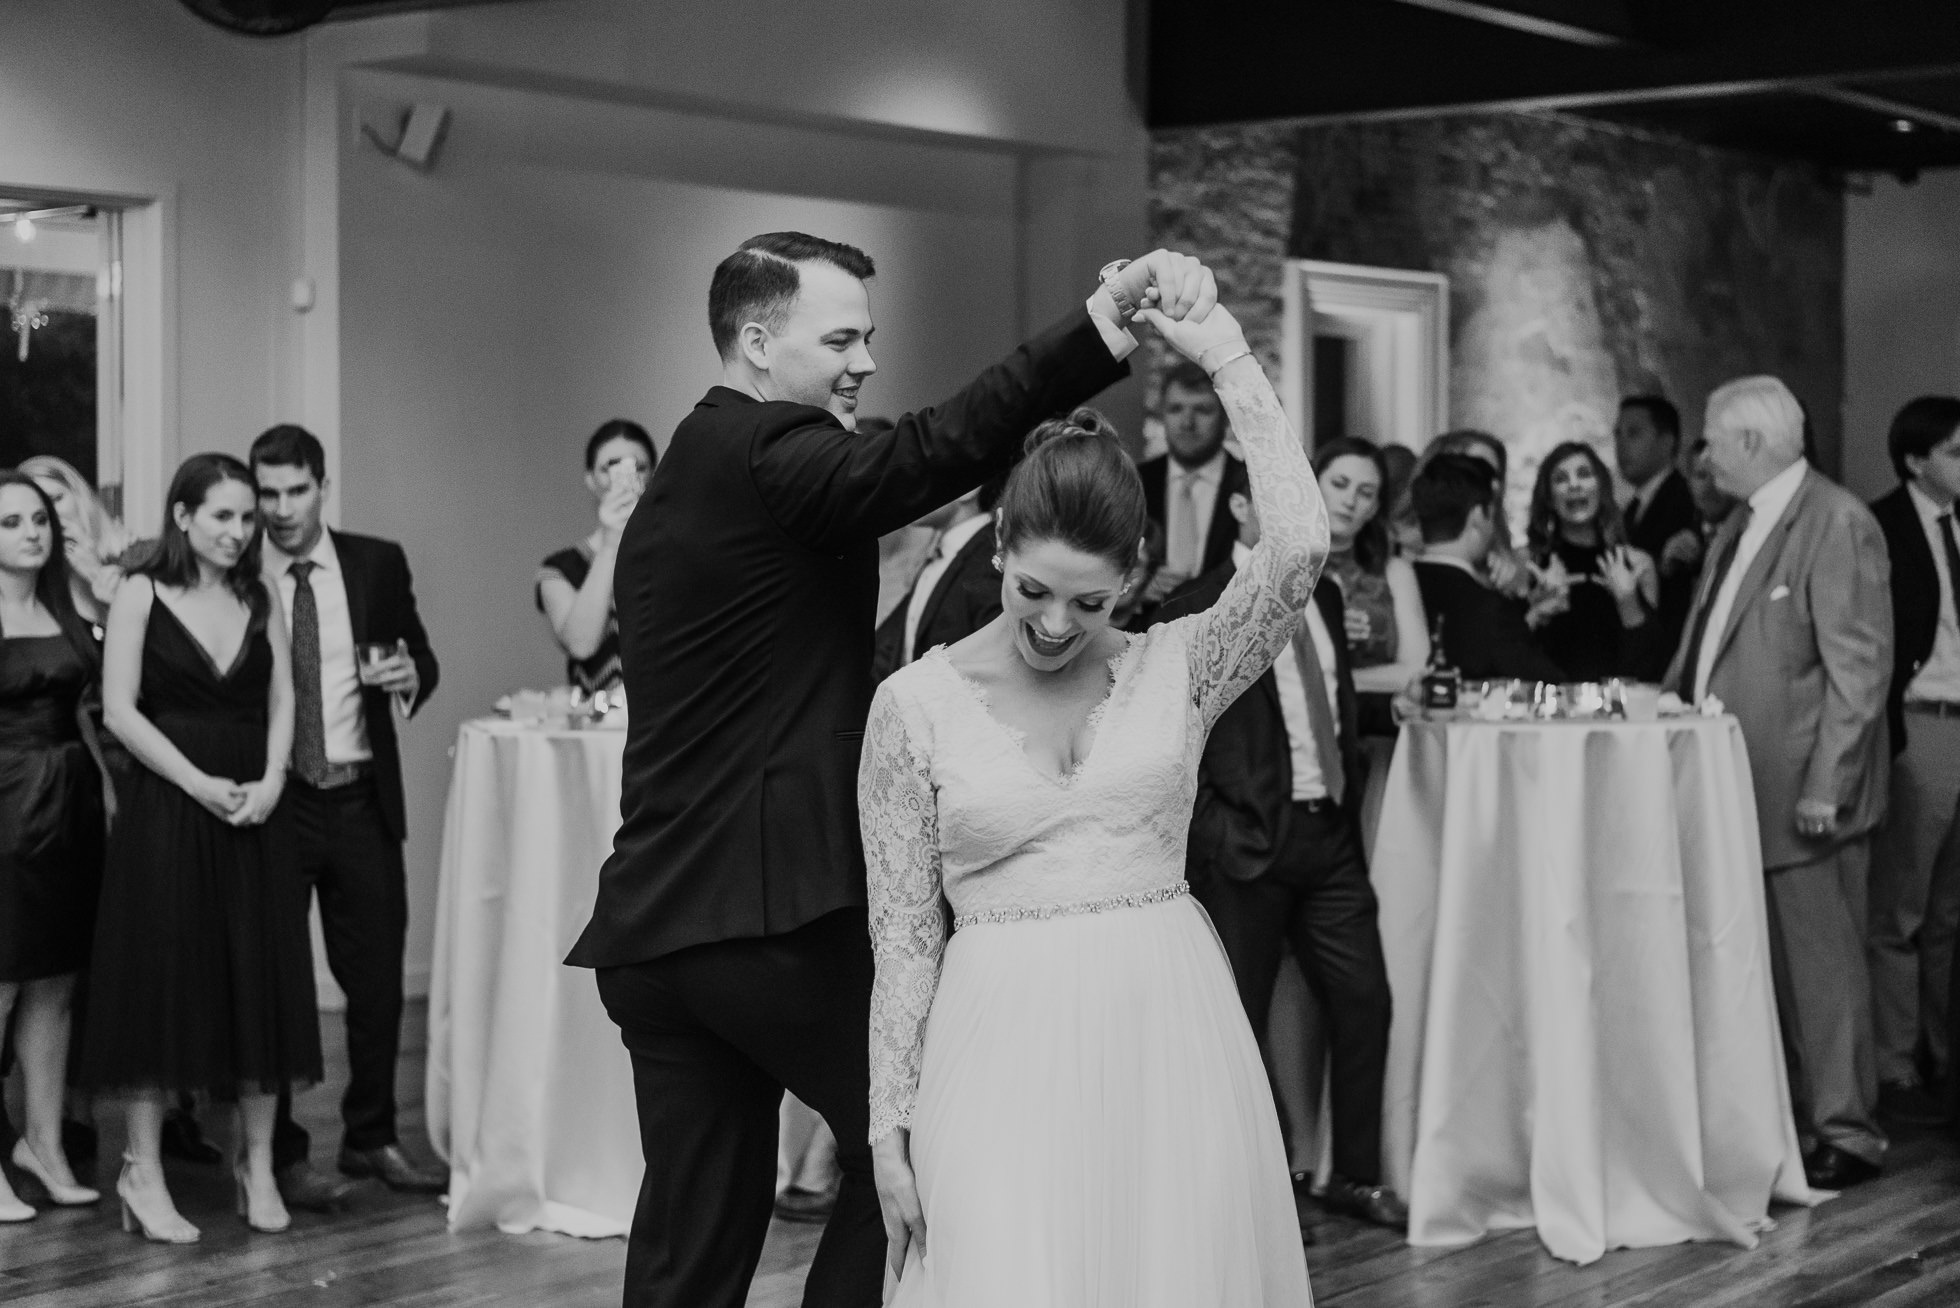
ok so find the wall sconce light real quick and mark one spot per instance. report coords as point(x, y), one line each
point(420, 135)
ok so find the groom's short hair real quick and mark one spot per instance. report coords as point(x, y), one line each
point(760, 281)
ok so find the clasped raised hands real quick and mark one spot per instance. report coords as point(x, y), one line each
point(1174, 285)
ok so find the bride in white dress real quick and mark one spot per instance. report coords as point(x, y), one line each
point(1068, 1109)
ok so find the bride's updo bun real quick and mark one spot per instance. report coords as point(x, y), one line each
point(1076, 485)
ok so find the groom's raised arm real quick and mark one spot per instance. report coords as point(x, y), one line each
point(830, 488)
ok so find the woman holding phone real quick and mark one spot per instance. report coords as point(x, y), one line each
point(575, 586)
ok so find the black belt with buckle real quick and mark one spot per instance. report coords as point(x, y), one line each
point(1938, 708)
point(1324, 804)
point(338, 776)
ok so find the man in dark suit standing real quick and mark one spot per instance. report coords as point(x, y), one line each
point(1791, 630)
point(360, 656)
point(1483, 632)
point(1276, 858)
point(1661, 520)
point(1185, 491)
point(957, 591)
point(730, 932)
point(1915, 892)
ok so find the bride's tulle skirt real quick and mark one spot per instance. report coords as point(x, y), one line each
point(1094, 1127)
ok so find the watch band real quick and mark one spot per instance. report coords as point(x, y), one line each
point(1125, 306)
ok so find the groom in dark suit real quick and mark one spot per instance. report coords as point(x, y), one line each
point(729, 933)
point(342, 592)
point(1276, 858)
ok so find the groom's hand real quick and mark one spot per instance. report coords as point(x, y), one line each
point(1176, 285)
point(898, 1197)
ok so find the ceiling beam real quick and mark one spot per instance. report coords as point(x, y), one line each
point(1608, 28)
point(1900, 110)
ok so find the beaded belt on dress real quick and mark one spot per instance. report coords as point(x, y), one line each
point(1160, 895)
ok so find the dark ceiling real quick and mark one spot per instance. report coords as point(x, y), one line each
point(1867, 86)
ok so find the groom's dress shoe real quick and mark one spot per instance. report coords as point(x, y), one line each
point(1370, 1203)
point(392, 1166)
point(1830, 1168)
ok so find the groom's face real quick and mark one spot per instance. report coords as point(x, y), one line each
point(821, 354)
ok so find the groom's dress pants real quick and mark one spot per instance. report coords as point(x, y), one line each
point(1317, 897)
point(716, 1033)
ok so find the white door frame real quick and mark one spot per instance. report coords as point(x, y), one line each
point(1400, 323)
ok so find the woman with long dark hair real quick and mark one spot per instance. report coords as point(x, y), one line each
point(50, 823)
point(1597, 593)
point(1387, 635)
point(575, 585)
point(202, 976)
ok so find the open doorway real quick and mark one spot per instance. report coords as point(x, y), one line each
point(1365, 352)
point(61, 336)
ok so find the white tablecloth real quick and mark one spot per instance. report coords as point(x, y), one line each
point(1585, 1033)
point(530, 1094)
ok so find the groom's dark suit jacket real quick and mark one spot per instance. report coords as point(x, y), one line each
point(381, 607)
point(1245, 776)
point(747, 591)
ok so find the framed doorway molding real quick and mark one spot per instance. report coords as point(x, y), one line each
point(1396, 323)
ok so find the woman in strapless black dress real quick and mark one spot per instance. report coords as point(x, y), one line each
point(202, 976)
point(50, 824)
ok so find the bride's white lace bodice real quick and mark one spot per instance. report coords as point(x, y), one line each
point(952, 807)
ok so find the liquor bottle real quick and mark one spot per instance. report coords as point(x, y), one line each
point(1441, 682)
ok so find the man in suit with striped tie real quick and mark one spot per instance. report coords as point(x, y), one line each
point(1276, 858)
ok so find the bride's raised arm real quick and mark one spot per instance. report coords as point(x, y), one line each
point(899, 817)
point(1234, 641)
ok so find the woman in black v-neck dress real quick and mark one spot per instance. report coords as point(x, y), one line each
point(202, 973)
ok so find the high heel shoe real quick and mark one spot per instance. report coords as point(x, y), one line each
point(244, 1190)
point(62, 1195)
point(169, 1228)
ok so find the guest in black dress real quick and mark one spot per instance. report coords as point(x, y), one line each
point(50, 824)
point(575, 586)
point(1594, 595)
point(202, 975)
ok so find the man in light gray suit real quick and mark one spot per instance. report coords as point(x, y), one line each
point(1792, 631)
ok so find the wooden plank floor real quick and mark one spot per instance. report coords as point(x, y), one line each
point(1892, 1244)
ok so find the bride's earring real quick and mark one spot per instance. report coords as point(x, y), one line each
point(998, 567)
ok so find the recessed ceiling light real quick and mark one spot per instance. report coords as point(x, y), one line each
point(23, 228)
point(1904, 125)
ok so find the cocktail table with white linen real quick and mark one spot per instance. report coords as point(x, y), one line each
point(1585, 1036)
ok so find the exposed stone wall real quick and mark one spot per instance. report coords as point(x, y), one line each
point(1585, 261)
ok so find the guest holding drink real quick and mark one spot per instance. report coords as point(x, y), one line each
point(202, 975)
point(361, 659)
point(1387, 635)
point(575, 586)
point(50, 824)
point(93, 539)
point(1595, 596)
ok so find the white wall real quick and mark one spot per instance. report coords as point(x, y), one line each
point(1901, 313)
point(474, 323)
point(137, 98)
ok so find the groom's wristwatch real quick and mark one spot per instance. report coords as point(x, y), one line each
point(1125, 306)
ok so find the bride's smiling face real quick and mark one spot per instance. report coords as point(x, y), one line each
point(1058, 600)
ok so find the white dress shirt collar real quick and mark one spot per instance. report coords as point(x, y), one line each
point(1211, 471)
point(1766, 506)
point(1930, 511)
point(322, 555)
point(955, 537)
point(1451, 561)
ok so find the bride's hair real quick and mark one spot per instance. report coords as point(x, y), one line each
point(1077, 485)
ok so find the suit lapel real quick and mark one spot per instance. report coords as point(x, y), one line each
point(354, 578)
point(1760, 567)
point(948, 580)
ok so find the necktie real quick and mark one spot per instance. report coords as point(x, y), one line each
point(1698, 633)
point(1634, 508)
point(915, 602)
point(1186, 550)
point(1952, 562)
point(1320, 714)
point(309, 721)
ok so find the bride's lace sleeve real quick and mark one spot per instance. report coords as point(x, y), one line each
point(898, 814)
point(1233, 642)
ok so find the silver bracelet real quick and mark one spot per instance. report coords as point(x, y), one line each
point(1228, 359)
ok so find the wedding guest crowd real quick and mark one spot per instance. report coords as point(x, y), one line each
point(245, 670)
